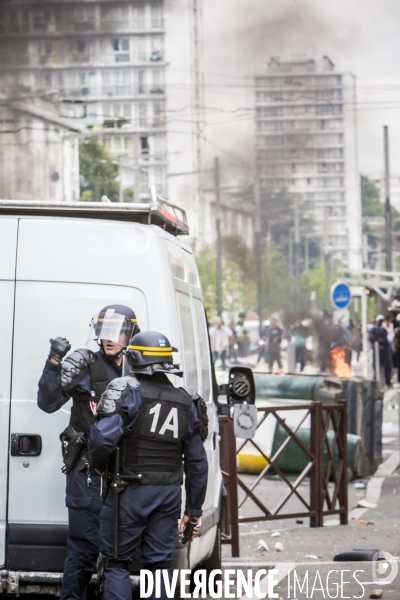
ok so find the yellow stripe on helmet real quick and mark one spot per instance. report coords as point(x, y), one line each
point(157, 353)
point(156, 348)
point(101, 319)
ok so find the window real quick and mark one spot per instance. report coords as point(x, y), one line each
point(116, 82)
point(204, 349)
point(121, 49)
point(115, 18)
point(18, 20)
point(159, 180)
point(40, 19)
point(81, 45)
point(157, 87)
point(83, 18)
point(139, 21)
point(142, 115)
point(188, 340)
point(156, 16)
point(159, 114)
point(141, 81)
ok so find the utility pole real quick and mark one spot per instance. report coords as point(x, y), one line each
point(218, 227)
point(258, 250)
point(388, 214)
point(326, 262)
point(121, 191)
point(136, 168)
point(198, 80)
point(307, 253)
point(296, 249)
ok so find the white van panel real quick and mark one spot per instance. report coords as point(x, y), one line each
point(81, 251)
point(6, 325)
point(96, 251)
point(8, 247)
point(44, 310)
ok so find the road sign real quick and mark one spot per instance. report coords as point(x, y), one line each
point(340, 295)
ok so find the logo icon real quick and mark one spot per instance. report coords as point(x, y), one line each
point(93, 406)
point(384, 568)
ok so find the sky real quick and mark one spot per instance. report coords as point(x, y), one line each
point(360, 36)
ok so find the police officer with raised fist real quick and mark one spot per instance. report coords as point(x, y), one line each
point(156, 432)
point(83, 376)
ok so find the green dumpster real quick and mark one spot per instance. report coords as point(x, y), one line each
point(293, 459)
point(299, 387)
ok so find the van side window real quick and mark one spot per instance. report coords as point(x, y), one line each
point(188, 340)
point(176, 262)
point(204, 349)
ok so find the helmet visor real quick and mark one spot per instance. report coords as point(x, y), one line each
point(112, 326)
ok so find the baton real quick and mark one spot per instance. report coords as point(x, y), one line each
point(116, 506)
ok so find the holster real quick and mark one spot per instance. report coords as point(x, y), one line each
point(105, 484)
point(72, 445)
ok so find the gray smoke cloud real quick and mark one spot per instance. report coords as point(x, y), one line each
point(359, 36)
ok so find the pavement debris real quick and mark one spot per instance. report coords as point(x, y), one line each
point(275, 534)
point(376, 593)
point(262, 545)
point(365, 504)
point(278, 547)
point(363, 522)
point(359, 485)
point(313, 556)
point(299, 521)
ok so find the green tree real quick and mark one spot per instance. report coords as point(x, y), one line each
point(99, 172)
point(232, 281)
point(371, 206)
point(313, 280)
point(278, 284)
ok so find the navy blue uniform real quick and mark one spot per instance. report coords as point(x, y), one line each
point(148, 513)
point(83, 486)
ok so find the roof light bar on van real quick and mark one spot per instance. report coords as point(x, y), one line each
point(157, 212)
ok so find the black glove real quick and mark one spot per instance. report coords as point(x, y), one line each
point(59, 348)
point(75, 367)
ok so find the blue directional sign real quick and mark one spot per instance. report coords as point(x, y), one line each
point(340, 295)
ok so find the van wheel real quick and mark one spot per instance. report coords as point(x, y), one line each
point(215, 558)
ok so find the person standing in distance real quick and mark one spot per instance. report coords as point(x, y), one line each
point(221, 338)
point(83, 376)
point(160, 430)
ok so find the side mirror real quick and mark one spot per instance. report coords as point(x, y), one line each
point(240, 387)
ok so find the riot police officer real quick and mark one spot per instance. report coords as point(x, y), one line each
point(83, 376)
point(159, 430)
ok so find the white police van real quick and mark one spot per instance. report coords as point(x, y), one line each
point(60, 264)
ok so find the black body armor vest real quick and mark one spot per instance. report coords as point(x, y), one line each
point(81, 418)
point(155, 446)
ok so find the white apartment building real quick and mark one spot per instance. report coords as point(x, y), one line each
point(306, 143)
point(378, 178)
point(106, 62)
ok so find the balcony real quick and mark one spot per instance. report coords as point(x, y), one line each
point(113, 90)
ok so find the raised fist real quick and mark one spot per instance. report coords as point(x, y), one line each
point(59, 348)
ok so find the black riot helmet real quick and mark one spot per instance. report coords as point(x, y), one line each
point(150, 352)
point(116, 323)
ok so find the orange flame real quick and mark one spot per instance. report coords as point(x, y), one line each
point(339, 365)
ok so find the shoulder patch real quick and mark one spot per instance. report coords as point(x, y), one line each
point(203, 417)
point(112, 399)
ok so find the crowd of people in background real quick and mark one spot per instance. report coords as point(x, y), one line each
point(234, 344)
point(385, 333)
point(243, 339)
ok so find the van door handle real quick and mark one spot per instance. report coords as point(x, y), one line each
point(26, 444)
